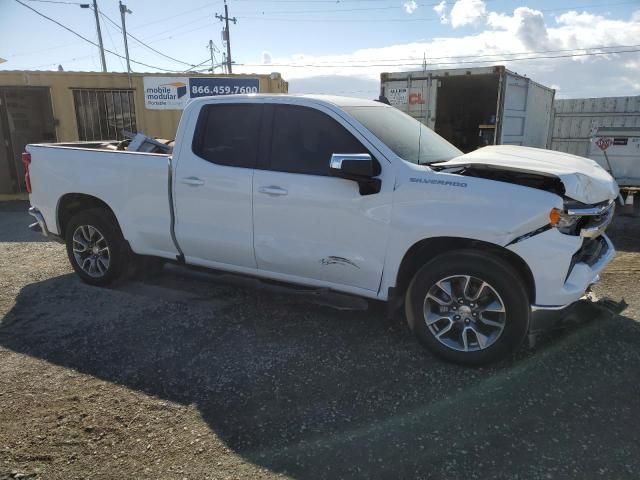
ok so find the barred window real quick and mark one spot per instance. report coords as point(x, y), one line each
point(104, 114)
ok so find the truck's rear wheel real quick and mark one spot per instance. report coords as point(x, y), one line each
point(95, 246)
point(468, 307)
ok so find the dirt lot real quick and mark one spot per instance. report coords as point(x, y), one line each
point(184, 376)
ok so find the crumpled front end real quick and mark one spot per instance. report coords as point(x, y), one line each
point(567, 259)
point(566, 175)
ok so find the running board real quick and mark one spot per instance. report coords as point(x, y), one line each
point(318, 296)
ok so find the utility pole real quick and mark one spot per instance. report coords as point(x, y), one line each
point(123, 11)
point(95, 11)
point(225, 35)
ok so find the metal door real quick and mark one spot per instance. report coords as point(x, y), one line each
point(25, 117)
point(514, 111)
point(416, 96)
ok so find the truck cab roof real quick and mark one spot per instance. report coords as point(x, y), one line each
point(329, 100)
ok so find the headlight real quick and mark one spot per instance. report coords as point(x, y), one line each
point(563, 221)
point(584, 220)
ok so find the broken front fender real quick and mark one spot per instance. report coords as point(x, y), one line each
point(563, 266)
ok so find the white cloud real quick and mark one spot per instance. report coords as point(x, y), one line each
point(575, 18)
point(467, 12)
point(525, 30)
point(441, 10)
point(501, 21)
point(266, 57)
point(410, 6)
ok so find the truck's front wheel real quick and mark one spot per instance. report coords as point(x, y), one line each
point(468, 307)
point(95, 246)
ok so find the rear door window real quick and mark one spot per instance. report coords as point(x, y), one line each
point(228, 134)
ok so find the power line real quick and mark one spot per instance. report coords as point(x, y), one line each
point(55, 1)
point(201, 7)
point(114, 46)
point(398, 6)
point(312, 1)
point(174, 29)
point(401, 20)
point(69, 60)
point(495, 60)
point(142, 43)
point(356, 9)
point(198, 65)
point(86, 39)
point(395, 60)
point(39, 51)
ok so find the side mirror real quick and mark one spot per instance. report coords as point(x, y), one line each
point(359, 167)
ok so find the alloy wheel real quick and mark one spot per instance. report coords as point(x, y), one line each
point(464, 313)
point(91, 251)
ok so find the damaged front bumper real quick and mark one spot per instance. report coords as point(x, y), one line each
point(563, 266)
point(583, 272)
point(545, 318)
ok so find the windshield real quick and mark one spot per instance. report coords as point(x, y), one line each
point(405, 136)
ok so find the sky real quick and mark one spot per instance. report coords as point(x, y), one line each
point(342, 46)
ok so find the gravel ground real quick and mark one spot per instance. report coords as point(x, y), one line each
point(202, 376)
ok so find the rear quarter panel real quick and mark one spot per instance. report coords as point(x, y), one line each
point(134, 185)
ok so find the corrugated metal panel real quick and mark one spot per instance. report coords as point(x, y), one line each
point(575, 120)
point(527, 112)
point(539, 115)
point(514, 112)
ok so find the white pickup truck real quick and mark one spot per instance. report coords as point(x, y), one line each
point(348, 195)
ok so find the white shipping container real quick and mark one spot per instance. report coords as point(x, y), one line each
point(617, 150)
point(576, 120)
point(474, 107)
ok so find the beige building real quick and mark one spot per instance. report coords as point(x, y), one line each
point(71, 106)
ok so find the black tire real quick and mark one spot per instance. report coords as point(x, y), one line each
point(106, 225)
point(503, 280)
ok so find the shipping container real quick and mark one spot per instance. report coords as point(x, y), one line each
point(474, 107)
point(617, 150)
point(575, 121)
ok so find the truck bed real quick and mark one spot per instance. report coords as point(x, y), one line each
point(134, 184)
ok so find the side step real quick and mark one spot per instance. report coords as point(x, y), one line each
point(317, 296)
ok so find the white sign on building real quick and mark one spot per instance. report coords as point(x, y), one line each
point(166, 93)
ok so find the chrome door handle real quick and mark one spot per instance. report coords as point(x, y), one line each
point(193, 181)
point(273, 190)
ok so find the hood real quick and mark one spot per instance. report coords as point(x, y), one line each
point(583, 179)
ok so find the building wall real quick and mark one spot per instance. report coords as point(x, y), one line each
point(157, 123)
